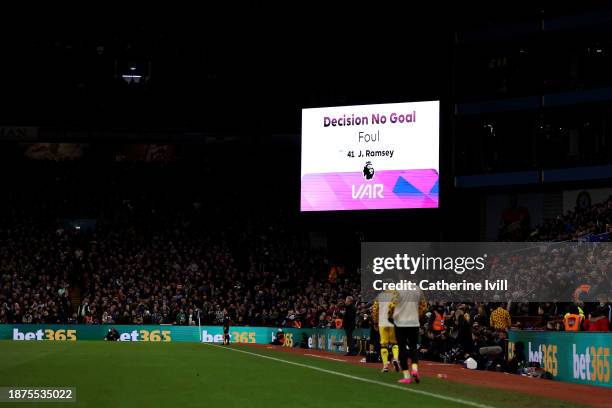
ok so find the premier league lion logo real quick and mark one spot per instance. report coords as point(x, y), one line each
point(368, 171)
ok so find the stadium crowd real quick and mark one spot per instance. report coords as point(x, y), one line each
point(575, 224)
point(163, 257)
point(173, 276)
point(166, 257)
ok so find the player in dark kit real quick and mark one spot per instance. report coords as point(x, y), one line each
point(226, 328)
point(404, 313)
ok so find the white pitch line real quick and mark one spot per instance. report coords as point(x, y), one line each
point(327, 358)
point(353, 377)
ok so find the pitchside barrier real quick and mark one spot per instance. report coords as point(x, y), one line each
point(579, 357)
point(320, 339)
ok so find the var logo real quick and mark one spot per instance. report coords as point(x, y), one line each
point(367, 191)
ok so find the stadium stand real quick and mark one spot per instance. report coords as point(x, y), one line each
point(156, 255)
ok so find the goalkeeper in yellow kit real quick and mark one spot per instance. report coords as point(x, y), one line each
point(380, 313)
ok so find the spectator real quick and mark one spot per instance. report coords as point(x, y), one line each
point(597, 321)
point(500, 318)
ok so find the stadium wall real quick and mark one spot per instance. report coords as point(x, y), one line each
point(319, 339)
point(582, 357)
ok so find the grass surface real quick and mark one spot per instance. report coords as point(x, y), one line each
point(126, 374)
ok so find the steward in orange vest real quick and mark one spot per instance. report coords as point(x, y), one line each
point(438, 323)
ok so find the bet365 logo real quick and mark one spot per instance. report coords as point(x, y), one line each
point(546, 355)
point(592, 365)
point(46, 334)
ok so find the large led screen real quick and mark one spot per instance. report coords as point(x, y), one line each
point(370, 157)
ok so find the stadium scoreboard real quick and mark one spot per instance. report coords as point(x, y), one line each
point(370, 157)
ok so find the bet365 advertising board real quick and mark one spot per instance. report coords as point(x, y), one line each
point(581, 357)
point(320, 339)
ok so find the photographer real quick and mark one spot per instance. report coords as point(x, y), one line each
point(489, 346)
point(303, 342)
point(433, 346)
point(112, 335)
point(279, 340)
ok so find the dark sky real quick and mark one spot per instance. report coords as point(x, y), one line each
point(210, 68)
point(247, 67)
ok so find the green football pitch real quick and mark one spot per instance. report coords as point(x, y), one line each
point(125, 374)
